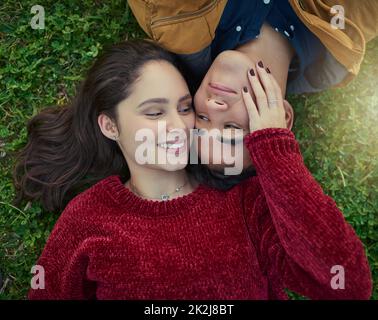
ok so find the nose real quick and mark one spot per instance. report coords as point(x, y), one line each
point(176, 128)
point(216, 104)
point(174, 122)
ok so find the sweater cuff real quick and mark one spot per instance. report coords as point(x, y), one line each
point(270, 146)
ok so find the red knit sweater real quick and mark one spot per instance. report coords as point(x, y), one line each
point(273, 231)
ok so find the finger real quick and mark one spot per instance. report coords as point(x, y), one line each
point(267, 84)
point(253, 114)
point(258, 90)
point(277, 90)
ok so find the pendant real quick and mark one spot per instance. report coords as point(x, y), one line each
point(164, 197)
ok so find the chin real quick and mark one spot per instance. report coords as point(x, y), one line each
point(232, 63)
point(172, 167)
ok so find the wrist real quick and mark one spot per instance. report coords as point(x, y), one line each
point(271, 147)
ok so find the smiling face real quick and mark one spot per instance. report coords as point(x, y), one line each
point(218, 101)
point(157, 115)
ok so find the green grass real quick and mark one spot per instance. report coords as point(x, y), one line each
point(337, 130)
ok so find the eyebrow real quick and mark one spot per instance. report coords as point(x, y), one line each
point(163, 100)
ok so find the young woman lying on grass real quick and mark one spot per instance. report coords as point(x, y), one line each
point(151, 231)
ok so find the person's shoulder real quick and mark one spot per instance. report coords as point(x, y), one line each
point(250, 182)
point(84, 216)
point(251, 188)
point(89, 202)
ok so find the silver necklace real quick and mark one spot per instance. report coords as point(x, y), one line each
point(163, 197)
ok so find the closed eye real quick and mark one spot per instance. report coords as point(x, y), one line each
point(231, 126)
point(186, 109)
point(155, 114)
point(202, 117)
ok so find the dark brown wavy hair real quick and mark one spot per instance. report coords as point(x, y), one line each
point(66, 151)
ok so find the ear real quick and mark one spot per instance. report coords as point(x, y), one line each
point(107, 127)
point(289, 114)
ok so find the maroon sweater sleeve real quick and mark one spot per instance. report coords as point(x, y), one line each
point(299, 232)
point(65, 260)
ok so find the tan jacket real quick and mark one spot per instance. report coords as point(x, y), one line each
point(189, 26)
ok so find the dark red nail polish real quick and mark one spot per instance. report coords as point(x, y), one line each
point(252, 72)
point(267, 70)
point(245, 89)
point(260, 64)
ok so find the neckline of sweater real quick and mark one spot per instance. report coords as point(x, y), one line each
point(127, 200)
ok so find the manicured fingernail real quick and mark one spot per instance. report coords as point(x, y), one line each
point(252, 72)
point(260, 64)
point(267, 70)
point(245, 89)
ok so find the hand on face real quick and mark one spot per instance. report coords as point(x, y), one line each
point(269, 112)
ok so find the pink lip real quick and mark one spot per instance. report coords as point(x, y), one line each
point(219, 88)
point(179, 150)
